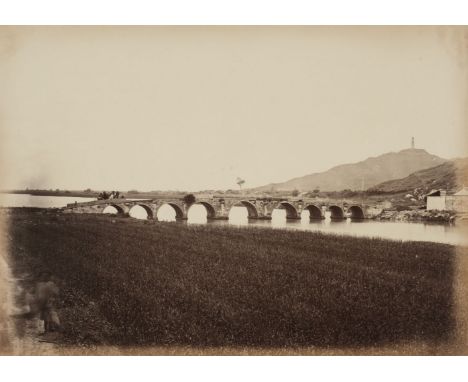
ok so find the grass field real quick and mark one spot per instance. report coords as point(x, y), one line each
point(128, 282)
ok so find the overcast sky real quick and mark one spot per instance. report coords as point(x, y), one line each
point(193, 108)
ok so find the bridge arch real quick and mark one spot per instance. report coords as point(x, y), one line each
point(291, 212)
point(336, 212)
point(210, 210)
point(356, 212)
point(251, 209)
point(179, 212)
point(314, 211)
point(120, 210)
point(148, 210)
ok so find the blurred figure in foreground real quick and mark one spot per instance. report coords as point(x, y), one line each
point(41, 302)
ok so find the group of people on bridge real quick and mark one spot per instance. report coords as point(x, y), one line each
point(111, 195)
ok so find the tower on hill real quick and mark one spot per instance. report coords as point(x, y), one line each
point(412, 142)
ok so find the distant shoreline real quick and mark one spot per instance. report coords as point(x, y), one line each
point(83, 194)
point(90, 194)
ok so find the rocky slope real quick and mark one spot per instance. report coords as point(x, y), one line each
point(364, 174)
point(450, 176)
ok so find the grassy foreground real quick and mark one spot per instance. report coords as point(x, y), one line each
point(128, 282)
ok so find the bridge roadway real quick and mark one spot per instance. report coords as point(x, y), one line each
point(219, 207)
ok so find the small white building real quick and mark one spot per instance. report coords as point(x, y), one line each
point(440, 201)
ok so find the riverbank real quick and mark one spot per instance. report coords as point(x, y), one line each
point(132, 284)
point(420, 216)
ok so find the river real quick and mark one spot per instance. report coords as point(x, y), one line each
point(441, 233)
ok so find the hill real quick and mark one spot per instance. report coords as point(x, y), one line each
point(362, 175)
point(451, 176)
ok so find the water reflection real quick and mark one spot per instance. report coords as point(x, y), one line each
point(166, 213)
point(305, 217)
point(443, 233)
point(278, 218)
point(110, 210)
point(138, 212)
point(453, 234)
point(197, 214)
point(238, 216)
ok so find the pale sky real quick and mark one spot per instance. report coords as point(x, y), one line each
point(193, 108)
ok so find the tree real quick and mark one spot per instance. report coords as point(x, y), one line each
point(240, 182)
point(295, 192)
point(189, 199)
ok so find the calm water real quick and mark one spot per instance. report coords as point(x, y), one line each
point(24, 200)
point(238, 216)
point(443, 233)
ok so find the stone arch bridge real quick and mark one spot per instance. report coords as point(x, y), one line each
point(219, 207)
